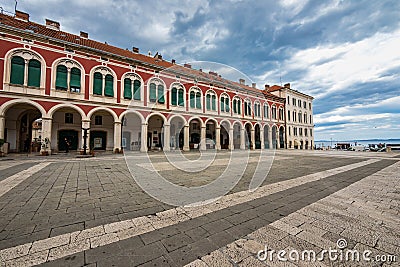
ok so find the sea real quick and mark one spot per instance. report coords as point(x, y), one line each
point(326, 143)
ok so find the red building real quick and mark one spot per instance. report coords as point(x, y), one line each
point(126, 99)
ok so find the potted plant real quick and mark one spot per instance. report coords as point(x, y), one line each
point(45, 147)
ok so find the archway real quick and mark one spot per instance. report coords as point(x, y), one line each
point(131, 132)
point(274, 137)
point(155, 132)
point(266, 136)
point(301, 144)
point(101, 130)
point(67, 129)
point(248, 140)
point(195, 133)
point(281, 137)
point(306, 145)
point(224, 135)
point(257, 136)
point(177, 125)
point(210, 134)
point(22, 128)
point(237, 127)
point(296, 144)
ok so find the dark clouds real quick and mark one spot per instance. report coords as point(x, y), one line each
point(312, 44)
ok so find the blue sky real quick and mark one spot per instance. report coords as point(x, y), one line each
point(344, 53)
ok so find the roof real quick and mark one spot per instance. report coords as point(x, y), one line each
point(43, 30)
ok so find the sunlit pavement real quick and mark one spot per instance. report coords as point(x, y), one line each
point(67, 211)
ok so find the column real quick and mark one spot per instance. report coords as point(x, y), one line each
point(86, 125)
point(242, 140)
point(167, 138)
point(218, 138)
point(270, 138)
point(253, 139)
point(2, 126)
point(143, 141)
point(262, 137)
point(231, 144)
point(46, 135)
point(186, 138)
point(278, 141)
point(203, 138)
point(117, 136)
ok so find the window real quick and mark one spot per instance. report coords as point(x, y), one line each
point(281, 114)
point(301, 131)
point(61, 78)
point(295, 131)
point(136, 89)
point(109, 85)
point(34, 73)
point(305, 131)
point(128, 89)
point(97, 83)
point(17, 70)
point(266, 111)
point(294, 101)
point(160, 94)
point(288, 115)
point(98, 120)
point(69, 118)
point(288, 102)
point(304, 104)
point(309, 106)
point(224, 105)
point(299, 103)
point(247, 108)
point(305, 117)
point(310, 132)
point(237, 105)
point(310, 120)
point(289, 130)
point(195, 99)
point(156, 93)
point(294, 116)
point(299, 117)
point(257, 109)
point(177, 97)
point(153, 93)
point(75, 80)
point(274, 112)
point(211, 100)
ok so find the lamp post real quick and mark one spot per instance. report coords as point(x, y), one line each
point(85, 131)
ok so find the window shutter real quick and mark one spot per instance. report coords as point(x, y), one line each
point(17, 70)
point(234, 104)
point(109, 87)
point(153, 93)
point(214, 102)
point(75, 81)
point(34, 73)
point(174, 96)
point(192, 99)
point(239, 107)
point(136, 90)
point(227, 104)
point(160, 92)
point(127, 88)
point(61, 78)
point(97, 83)
point(198, 100)
point(222, 104)
point(208, 101)
point(181, 101)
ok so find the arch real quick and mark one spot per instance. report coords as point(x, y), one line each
point(247, 122)
point(51, 112)
point(225, 121)
point(196, 118)
point(133, 77)
point(170, 118)
point(157, 82)
point(225, 102)
point(27, 55)
point(211, 119)
point(176, 97)
point(211, 100)
point(4, 107)
point(69, 63)
point(154, 114)
point(91, 112)
point(103, 70)
point(121, 116)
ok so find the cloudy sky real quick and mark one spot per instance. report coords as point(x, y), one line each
point(344, 53)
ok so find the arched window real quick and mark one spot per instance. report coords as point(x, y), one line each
point(299, 117)
point(97, 83)
point(156, 92)
point(224, 103)
point(127, 88)
point(294, 116)
point(61, 78)
point(75, 80)
point(109, 85)
point(257, 109)
point(34, 71)
point(281, 114)
point(288, 115)
point(178, 96)
point(211, 101)
point(274, 112)
point(237, 105)
point(305, 117)
point(195, 98)
point(181, 97)
point(128, 82)
point(247, 107)
point(266, 110)
point(17, 70)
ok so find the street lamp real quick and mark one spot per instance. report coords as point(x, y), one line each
point(85, 131)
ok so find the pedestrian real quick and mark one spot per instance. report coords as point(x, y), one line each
point(66, 145)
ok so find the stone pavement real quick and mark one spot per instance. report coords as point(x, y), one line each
point(77, 212)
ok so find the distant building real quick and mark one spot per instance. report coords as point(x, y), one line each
point(71, 83)
point(299, 116)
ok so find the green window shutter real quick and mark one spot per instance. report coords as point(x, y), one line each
point(174, 96)
point(198, 100)
point(227, 104)
point(239, 107)
point(160, 92)
point(75, 80)
point(181, 101)
point(213, 102)
point(245, 108)
point(97, 83)
point(136, 90)
point(34, 73)
point(153, 93)
point(222, 104)
point(234, 106)
point(109, 86)
point(208, 101)
point(127, 88)
point(61, 78)
point(192, 99)
point(17, 70)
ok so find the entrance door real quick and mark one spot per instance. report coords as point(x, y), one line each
point(72, 138)
point(98, 140)
point(126, 140)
